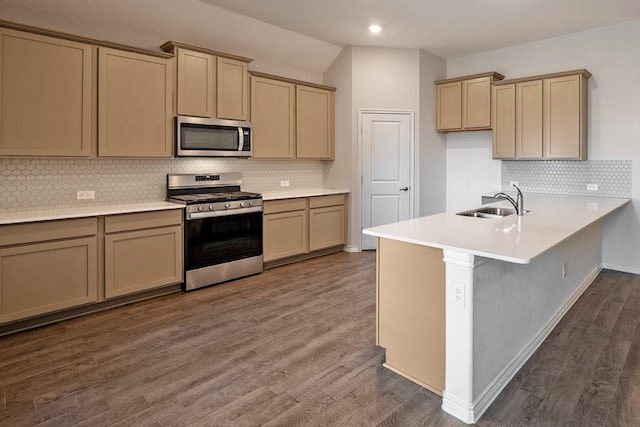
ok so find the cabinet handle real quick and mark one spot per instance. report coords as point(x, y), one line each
point(404, 189)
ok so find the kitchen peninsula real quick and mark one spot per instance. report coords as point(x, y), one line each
point(463, 302)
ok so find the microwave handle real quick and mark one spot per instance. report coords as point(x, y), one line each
point(240, 139)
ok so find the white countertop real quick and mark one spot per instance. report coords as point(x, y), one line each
point(309, 192)
point(551, 220)
point(16, 217)
point(84, 211)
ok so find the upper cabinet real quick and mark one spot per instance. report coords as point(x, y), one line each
point(273, 115)
point(210, 83)
point(135, 94)
point(565, 116)
point(233, 89)
point(545, 118)
point(46, 96)
point(291, 119)
point(196, 87)
point(504, 119)
point(464, 103)
point(315, 135)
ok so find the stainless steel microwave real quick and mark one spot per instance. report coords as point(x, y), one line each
point(202, 137)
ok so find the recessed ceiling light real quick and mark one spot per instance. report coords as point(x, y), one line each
point(375, 28)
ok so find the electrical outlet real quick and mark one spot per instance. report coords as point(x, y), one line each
point(512, 183)
point(592, 187)
point(85, 195)
point(564, 270)
point(458, 296)
point(284, 183)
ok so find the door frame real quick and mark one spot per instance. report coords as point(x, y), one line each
point(414, 167)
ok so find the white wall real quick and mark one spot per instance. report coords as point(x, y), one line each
point(386, 78)
point(612, 54)
point(433, 148)
point(339, 173)
point(470, 169)
point(390, 79)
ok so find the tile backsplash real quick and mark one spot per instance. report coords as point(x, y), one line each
point(43, 183)
point(565, 177)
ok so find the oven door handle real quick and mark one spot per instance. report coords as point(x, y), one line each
point(197, 215)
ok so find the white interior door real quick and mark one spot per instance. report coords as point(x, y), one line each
point(386, 170)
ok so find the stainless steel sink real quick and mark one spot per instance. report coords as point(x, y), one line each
point(488, 212)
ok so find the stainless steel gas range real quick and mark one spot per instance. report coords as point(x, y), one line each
point(223, 227)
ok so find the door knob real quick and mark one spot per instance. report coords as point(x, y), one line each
point(404, 189)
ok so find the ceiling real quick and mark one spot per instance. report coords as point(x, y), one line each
point(445, 28)
point(309, 34)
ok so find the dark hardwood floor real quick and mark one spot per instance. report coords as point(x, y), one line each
point(295, 346)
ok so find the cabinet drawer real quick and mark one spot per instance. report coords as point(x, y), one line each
point(323, 201)
point(42, 231)
point(65, 276)
point(285, 205)
point(142, 220)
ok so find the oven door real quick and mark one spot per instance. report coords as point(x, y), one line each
point(218, 240)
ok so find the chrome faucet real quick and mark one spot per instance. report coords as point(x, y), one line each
point(518, 204)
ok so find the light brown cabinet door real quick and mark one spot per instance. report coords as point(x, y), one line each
point(285, 235)
point(196, 89)
point(476, 103)
point(134, 105)
point(449, 106)
point(315, 137)
point(46, 96)
point(139, 260)
point(564, 122)
point(233, 89)
point(46, 277)
point(273, 118)
point(529, 120)
point(411, 311)
point(326, 227)
point(504, 121)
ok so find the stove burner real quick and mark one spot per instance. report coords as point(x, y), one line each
point(215, 197)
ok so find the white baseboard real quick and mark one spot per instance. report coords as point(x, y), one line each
point(458, 408)
point(622, 268)
point(350, 248)
point(484, 400)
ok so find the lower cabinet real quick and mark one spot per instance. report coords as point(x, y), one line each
point(54, 266)
point(294, 227)
point(142, 251)
point(326, 222)
point(47, 266)
point(410, 311)
point(284, 228)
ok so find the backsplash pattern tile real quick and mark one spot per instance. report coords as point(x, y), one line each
point(570, 177)
point(40, 183)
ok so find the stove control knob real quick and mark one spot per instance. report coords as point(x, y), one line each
point(227, 205)
point(211, 207)
point(242, 204)
point(250, 203)
point(200, 208)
